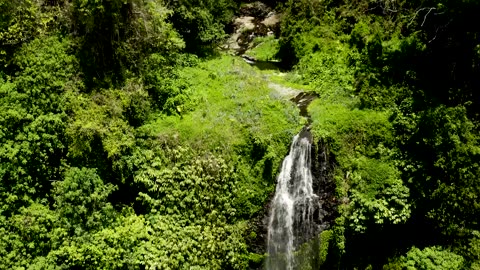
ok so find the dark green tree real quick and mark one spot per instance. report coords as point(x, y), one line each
point(115, 36)
point(202, 23)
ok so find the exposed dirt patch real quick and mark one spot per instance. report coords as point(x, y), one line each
point(283, 91)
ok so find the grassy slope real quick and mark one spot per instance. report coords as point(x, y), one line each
point(234, 114)
point(232, 105)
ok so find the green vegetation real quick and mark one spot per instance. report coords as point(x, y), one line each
point(429, 258)
point(198, 171)
point(128, 141)
point(119, 149)
point(265, 48)
point(397, 107)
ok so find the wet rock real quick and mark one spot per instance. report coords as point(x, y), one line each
point(302, 100)
point(244, 23)
point(256, 9)
point(255, 20)
point(272, 23)
point(323, 167)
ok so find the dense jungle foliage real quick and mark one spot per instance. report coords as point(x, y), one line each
point(128, 140)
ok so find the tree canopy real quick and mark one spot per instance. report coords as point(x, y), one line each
point(129, 137)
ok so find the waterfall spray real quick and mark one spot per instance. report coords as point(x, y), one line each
point(295, 208)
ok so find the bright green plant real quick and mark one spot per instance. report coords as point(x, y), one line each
point(26, 236)
point(32, 119)
point(265, 48)
point(81, 200)
point(429, 258)
point(115, 246)
point(378, 195)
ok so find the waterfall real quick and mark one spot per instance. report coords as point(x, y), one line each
point(295, 211)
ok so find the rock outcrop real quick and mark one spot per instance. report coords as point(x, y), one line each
point(254, 20)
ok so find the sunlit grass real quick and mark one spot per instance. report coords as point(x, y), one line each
point(265, 48)
point(233, 104)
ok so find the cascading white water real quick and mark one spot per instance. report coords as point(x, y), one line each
point(294, 208)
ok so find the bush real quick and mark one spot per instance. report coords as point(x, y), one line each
point(430, 258)
point(378, 195)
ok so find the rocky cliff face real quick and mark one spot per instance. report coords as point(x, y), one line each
point(324, 184)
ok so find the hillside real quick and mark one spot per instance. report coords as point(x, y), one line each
point(149, 134)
